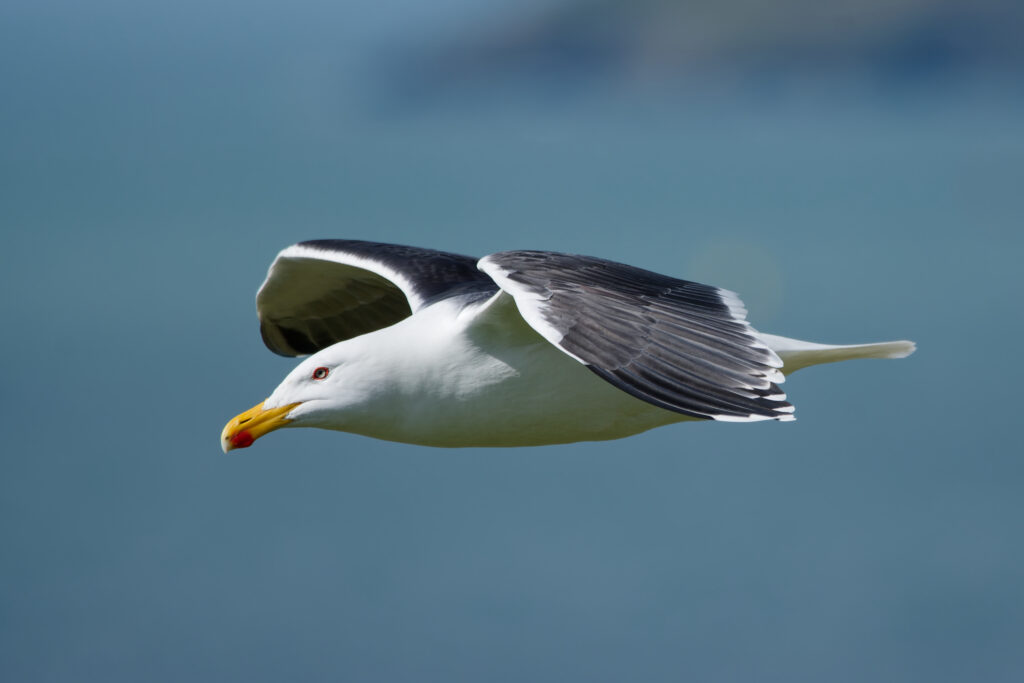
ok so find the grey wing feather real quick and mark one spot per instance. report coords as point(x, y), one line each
point(677, 344)
point(320, 292)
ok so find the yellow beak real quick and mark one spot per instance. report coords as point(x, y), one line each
point(242, 430)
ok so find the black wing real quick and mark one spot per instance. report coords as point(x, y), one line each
point(320, 292)
point(676, 344)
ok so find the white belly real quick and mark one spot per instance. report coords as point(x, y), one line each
point(500, 388)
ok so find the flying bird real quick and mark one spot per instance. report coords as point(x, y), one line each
point(519, 348)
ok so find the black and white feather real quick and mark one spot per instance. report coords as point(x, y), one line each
point(679, 345)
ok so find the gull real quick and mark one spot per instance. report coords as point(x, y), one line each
point(518, 348)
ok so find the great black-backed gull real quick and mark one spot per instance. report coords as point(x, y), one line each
point(519, 348)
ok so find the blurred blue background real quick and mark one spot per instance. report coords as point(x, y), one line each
point(854, 172)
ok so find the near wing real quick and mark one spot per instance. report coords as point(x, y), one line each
point(320, 292)
point(679, 345)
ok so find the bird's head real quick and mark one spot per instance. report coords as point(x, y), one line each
point(314, 394)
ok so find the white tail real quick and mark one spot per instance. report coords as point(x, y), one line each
point(796, 354)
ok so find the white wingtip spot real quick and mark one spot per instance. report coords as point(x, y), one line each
point(735, 305)
point(785, 415)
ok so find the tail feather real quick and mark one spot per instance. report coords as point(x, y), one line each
point(796, 354)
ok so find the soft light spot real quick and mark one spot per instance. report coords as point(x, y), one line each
point(746, 267)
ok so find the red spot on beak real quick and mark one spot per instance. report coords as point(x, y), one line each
point(242, 439)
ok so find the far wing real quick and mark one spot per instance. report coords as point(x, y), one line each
point(679, 345)
point(320, 292)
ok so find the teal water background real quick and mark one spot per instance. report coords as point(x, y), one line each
point(155, 160)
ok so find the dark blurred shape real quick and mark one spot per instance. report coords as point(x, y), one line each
point(582, 46)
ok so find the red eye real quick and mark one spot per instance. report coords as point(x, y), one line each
point(320, 373)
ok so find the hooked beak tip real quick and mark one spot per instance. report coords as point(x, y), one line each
point(242, 430)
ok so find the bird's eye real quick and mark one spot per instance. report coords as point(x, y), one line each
point(320, 373)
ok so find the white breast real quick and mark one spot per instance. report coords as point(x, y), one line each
point(501, 385)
